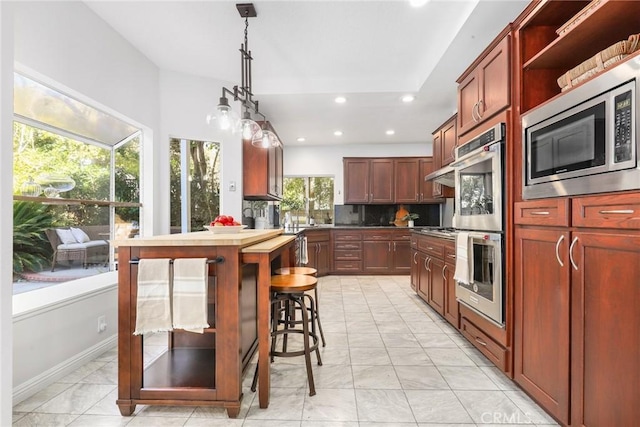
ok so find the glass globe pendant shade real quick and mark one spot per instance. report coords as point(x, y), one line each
point(250, 130)
point(269, 139)
point(224, 118)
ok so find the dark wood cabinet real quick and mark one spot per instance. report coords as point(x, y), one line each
point(426, 187)
point(407, 180)
point(424, 276)
point(445, 140)
point(576, 343)
point(542, 317)
point(436, 285)
point(347, 251)
point(368, 180)
point(386, 252)
point(262, 174)
point(605, 342)
point(401, 250)
point(484, 89)
point(451, 310)
point(319, 250)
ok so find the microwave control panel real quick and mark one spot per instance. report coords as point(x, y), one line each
point(623, 127)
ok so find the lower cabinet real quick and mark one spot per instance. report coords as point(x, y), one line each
point(432, 269)
point(576, 316)
point(319, 250)
point(372, 251)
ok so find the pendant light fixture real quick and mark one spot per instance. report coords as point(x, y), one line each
point(224, 117)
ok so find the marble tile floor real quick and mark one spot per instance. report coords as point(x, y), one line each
point(389, 361)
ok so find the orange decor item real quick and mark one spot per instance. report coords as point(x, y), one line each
point(402, 212)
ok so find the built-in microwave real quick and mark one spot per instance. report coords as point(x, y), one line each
point(585, 141)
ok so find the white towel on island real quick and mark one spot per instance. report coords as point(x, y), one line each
point(464, 253)
point(190, 277)
point(304, 257)
point(153, 305)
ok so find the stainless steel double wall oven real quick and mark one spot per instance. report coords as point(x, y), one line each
point(479, 207)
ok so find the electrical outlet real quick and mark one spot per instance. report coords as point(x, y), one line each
point(102, 324)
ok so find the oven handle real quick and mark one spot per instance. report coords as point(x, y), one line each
point(475, 158)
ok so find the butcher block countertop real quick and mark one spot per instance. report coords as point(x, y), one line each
point(206, 238)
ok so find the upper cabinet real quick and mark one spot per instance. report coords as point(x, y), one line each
point(445, 141)
point(557, 36)
point(483, 90)
point(262, 174)
point(368, 180)
point(387, 180)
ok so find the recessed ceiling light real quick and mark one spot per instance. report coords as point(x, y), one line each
point(340, 100)
point(408, 98)
point(390, 132)
point(301, 139)
point(338, 133)
point(418, 3)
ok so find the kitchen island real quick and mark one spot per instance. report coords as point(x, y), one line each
point(202, 369)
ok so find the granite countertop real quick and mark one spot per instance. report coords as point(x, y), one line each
point(203, 238)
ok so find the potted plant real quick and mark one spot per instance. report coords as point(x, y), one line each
point(410, 217)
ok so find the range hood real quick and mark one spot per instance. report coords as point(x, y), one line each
point(444, 176)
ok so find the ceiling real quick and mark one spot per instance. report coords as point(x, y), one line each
point(306, 53)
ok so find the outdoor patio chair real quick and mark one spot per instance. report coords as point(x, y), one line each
point(70, 244)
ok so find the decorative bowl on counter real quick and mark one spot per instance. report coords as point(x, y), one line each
point(226, 229)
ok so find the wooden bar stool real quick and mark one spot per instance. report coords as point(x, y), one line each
point(308, 271)
point(290, 291)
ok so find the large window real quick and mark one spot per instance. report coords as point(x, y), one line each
point(308, 197)
point(195, 184)
point(74, 167)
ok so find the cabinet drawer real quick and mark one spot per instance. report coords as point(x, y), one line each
point(347, 255)
point(401, 237)
point(376, 236)
point(348, 246)
point(487, 346)
point(347, 236)
point(542, 212)
point(314, 236)
point(432, 247)
point(450, 253)
point(345, 266)
point(620, 211)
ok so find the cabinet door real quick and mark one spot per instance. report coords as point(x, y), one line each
point(323, 258)
point(451, 308)
point(426, 187)
point(277, 175)
point(605, 323)
point(449, 142)
point(312, 255)
point(468, 95)
point(356, 180)
point(424, 276)
point(377, 256)
point(415, 270)
point(402, 261)
point(541, 324)
point(494, 80)
point(437, 150)
point(407, 184)
point(381, 181)
point(436, 288)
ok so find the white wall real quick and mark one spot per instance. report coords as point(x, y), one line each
point(6, 199)
point(327, 160)
point(185, 102)
point(67, 45)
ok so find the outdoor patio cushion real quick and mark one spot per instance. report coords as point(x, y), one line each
point(80, 236)
point(65, 236)
point(89, 244)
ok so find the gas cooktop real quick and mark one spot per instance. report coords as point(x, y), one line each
point(445, 232)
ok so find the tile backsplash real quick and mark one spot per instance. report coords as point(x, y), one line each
point(383, 215)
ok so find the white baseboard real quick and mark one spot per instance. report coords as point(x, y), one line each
point(50, 376)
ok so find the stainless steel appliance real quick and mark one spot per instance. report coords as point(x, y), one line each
point(585, 141)
point(484, 292)
point(479, 182)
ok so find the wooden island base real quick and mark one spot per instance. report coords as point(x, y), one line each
point(201, 369)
